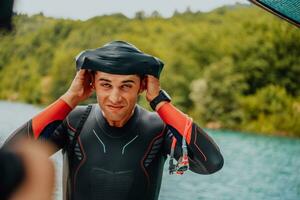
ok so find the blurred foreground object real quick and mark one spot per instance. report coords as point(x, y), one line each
point(27, 173)
point(6, 10)
point(286, 9)
point(11, 173)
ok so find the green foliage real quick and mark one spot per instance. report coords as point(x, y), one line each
point(271, 110)
point(235, 67)
point(62, 72)
point(272, 57)
point(215, 94)
point(19, 81)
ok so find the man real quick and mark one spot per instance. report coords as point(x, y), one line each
point(116, 149)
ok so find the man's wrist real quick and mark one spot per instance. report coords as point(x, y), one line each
point(152, 97)
point(159, 100)
point(160, 105)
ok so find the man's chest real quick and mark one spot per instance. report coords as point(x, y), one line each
point(135, 149)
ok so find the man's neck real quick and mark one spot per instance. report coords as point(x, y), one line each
point(120, 123)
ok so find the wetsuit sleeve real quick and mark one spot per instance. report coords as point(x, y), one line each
point(49, 124)
point(204, 155)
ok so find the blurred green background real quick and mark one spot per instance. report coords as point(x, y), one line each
point(236, 67)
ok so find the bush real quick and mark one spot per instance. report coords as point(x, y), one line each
point(271, 110)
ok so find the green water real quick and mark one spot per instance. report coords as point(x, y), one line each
point(256, 167)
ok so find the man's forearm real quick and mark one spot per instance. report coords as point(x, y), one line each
point(204, 154)
point(43, 123)
point(175, 118)
point(55, 112)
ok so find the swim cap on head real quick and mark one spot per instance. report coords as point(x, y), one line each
point(119, 57)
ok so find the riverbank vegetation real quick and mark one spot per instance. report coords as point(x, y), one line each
point(236, 67)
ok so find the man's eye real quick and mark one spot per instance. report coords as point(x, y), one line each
point(106, 85)
point(126, 86)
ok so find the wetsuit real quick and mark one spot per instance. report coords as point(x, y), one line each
point(112, 163)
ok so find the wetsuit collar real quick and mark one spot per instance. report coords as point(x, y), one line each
point(116, 131)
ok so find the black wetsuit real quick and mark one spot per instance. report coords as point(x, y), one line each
point(109, 163)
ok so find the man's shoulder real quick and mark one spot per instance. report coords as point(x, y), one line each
point(150, 115)
point(76, 114)
point(150, 120)
point(77, 111)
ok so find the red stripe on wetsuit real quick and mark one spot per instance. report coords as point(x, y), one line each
point(177, 119)
point(56, 111)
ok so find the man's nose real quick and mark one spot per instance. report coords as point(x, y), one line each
point(115, 96)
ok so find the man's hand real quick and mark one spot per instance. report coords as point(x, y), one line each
point(152, 87)
point(80, 89)
point(152, 90)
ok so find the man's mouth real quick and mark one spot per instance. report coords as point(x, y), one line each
point(115, 107)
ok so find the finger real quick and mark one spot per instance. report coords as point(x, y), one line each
point(80, 74)
point(82, 71)
point(153, 79)
point(151, 76)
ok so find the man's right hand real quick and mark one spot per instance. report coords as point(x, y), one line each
point(80, 89)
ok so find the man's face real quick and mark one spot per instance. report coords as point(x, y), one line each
point(117, 95)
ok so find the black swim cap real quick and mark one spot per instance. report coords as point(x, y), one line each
point(119, 57)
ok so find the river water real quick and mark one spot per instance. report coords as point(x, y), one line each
point(256, 167)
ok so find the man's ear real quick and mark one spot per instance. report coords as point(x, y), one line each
point(143, 86)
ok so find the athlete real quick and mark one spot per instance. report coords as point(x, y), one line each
point(115, 149)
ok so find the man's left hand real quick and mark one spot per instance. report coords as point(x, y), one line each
point(152, 87)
